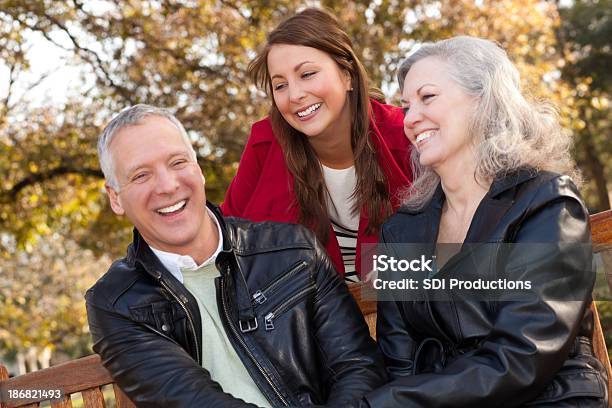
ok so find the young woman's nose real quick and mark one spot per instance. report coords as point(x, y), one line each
point(296, 92)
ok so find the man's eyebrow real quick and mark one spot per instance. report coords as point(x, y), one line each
point(295, 69)
point(131, 169)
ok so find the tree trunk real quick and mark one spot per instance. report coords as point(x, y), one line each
point(32, 358)
point(44, 357)
point(21, 366)
point(597, 171)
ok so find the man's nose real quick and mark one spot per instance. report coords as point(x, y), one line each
point(167, 182)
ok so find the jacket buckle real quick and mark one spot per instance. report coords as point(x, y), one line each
point(248, 325)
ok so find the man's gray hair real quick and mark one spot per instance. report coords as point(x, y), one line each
point(132, 116)
point(508, 130)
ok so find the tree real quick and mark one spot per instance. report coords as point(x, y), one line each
point(41, 300)
point(585, 38)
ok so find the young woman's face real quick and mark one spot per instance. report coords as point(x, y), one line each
point(309, 89)
point(437, 113)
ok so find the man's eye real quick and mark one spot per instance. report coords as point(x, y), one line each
point(427, 97)
point(179, 162)
point(405, 109)
point(139, 177)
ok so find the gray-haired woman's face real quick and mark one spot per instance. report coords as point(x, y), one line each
point(437, 114)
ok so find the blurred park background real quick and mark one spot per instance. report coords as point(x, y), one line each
point(67, 66)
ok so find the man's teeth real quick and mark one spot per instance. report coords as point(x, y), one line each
point(308, 111)
point(172, 208)
point(425, 135)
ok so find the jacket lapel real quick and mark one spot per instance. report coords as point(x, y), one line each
point(495, 205)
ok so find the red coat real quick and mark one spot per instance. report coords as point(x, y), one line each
point(263, 187)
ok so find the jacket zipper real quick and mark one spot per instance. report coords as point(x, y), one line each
point(245, 347)
point(283, 307)
point(260, 297)
point(189, 319)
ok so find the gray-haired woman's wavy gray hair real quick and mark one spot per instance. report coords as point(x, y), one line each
point(507, 130)
point(134, 115)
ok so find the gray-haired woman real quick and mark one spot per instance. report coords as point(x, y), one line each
point(490, 167)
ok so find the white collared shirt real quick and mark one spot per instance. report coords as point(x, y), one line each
point(174, 263)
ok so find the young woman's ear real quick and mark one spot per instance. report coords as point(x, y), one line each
point(348, 81)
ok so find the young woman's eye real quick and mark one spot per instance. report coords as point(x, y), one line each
point(278, 87)
point(308, 74)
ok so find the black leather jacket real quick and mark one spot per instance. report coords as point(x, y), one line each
point(504, 353)
point(288, 314)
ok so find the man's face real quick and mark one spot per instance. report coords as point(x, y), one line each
point(161, 187)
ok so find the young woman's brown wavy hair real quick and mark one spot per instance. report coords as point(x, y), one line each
point(318, 29)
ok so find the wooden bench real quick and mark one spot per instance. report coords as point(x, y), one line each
point(87, 375)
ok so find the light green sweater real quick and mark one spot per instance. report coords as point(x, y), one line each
point(218, 354)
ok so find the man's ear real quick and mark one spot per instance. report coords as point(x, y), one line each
point(115, 202)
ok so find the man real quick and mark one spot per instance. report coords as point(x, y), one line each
point(206, 311)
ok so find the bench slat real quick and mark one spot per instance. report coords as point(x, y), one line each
point(64, 402)
point(93, 398)
point(121, 400)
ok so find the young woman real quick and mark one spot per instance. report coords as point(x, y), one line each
point(491, 174)
point(330, 155)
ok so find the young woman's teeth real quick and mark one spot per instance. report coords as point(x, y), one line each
point(425, 135)
point(309, 110)
point(172, 208)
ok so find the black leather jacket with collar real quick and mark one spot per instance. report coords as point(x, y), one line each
point(286, 311)
point(504, 352)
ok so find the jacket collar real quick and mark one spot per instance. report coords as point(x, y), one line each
point(491, 209)
point(141, 252)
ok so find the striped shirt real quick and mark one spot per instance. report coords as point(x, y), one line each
point(340, 185)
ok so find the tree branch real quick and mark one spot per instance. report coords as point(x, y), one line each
point(91, 56)
point(56, 172)
point(88, 54)
point(5, 101)
point(31, 86)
